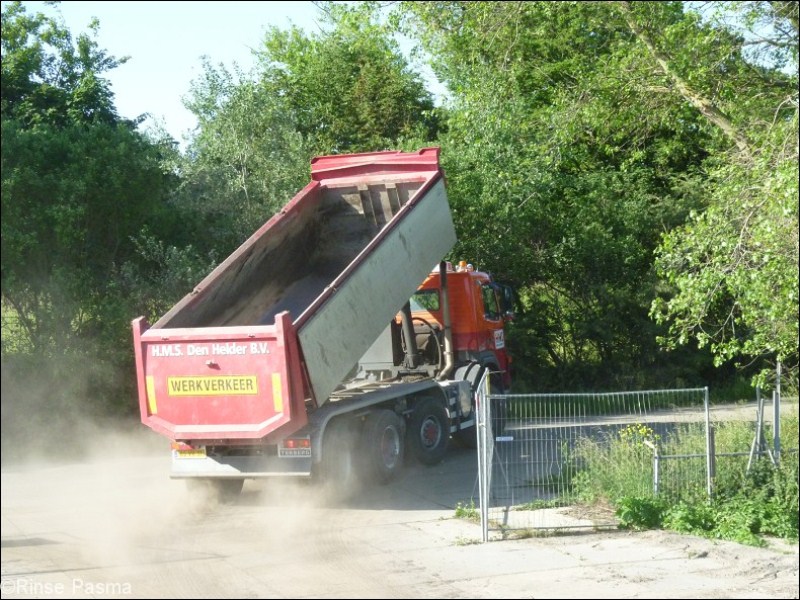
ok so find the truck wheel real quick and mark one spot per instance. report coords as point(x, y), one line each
point(470, 373)
point(228, 490)
point(429, 431)
point(469, 436)
point(383, 445)
point(338, 469)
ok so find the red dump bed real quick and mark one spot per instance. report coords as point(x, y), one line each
point(277, 327)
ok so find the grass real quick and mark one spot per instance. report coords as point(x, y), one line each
point(746, 506)
point(539, 504)
point(462, 541)
point(753, 499)
point(467, 511)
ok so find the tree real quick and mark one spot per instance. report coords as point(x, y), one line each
point(78, 184)
point(48, 78)
point(73, 197)
point(628, 120)
point(245, 161)
point(344, 90)
point(563, 170)
point(733, 267)
point(349, 88)
point(82, 191)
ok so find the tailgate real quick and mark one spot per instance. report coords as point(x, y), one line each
point(220, 383)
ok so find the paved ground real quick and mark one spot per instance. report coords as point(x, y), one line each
point(112, 524)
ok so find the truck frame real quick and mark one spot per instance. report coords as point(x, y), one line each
point(314, 349)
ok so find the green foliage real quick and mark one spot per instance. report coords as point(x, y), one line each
point(49, 79)
point(73, 197)
point(349, 87)
point(578, 134)
point(732, 269)
point(619, 466)
point(467, 511)
point(747, 504)
point(636, 512)
point(769, 508)
point(345, 89)
point(783, 500)
point(163, 274)
point(698, 518)
point(766, 505)
point(563, 171)
point(79, 185)
point(245, 161)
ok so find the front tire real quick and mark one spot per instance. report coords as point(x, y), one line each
point(338, 470)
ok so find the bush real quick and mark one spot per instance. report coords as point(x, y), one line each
point(748, 504)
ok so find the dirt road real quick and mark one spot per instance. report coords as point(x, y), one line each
point(114, 525)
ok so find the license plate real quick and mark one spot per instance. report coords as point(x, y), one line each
point(193, 453)
point(294, 452)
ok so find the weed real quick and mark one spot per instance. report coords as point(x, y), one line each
point(462, 541)
point(467, 511)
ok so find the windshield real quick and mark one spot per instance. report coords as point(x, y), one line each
point(425, 300)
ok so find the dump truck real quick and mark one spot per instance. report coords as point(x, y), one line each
point(332, 342)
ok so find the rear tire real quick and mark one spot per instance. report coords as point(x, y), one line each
point(429, 431)
point(383, 445)
point(339, 471)
point(228, 490)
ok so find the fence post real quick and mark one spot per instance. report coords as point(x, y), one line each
point(776, 415)
point(484, 463)
point(656, 466)
point(710, 458)
point(757, 448)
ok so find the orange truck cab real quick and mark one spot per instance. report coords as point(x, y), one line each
point(479, 309)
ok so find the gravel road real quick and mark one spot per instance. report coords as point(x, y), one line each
point(109, 523)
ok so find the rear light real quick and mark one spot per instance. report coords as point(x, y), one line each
point(181, 446)
point(297, 443)
point(295, 448)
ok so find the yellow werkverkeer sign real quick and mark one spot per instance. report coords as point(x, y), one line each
point(219, 385)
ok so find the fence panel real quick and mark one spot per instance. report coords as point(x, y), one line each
point(550, 461)
point(538, 448)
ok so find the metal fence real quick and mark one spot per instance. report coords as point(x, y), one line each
point(554, 461)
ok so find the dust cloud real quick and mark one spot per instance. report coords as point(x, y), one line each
point(76, 478)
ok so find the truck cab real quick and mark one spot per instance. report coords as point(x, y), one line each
point(478, 314)
point(455, 321)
